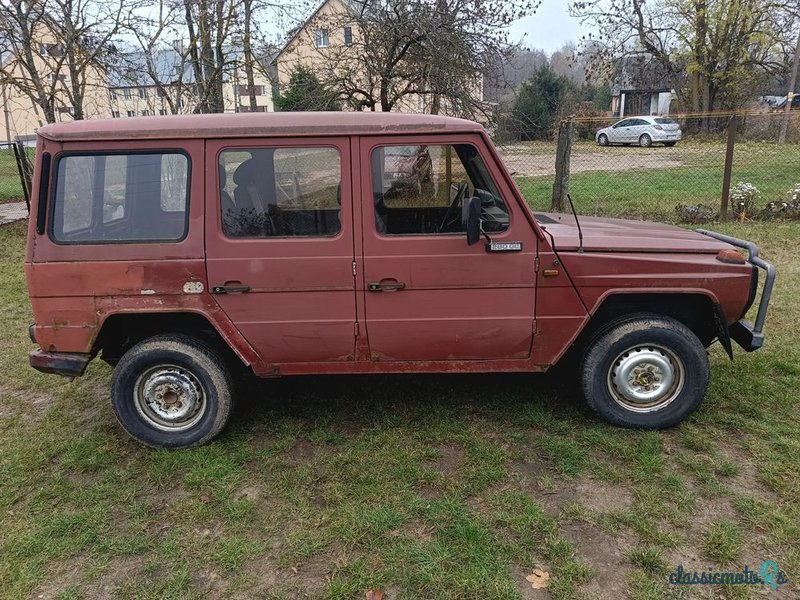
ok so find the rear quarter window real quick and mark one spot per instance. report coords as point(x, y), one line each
point(125, 197)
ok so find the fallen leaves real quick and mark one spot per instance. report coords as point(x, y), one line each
point(538, 579)
point(376, 594)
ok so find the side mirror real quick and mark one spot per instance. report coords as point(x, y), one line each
point(471, 219)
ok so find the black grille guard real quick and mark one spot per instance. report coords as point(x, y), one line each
point(750, 336)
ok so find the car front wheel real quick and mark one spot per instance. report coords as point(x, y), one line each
point(172, 391)
point(602, 139)
point(647, 372)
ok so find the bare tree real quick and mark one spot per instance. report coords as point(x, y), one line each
point(419, 50)
point(710, 50)
point(56, 50)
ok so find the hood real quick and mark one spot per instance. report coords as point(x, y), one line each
point(621, 235)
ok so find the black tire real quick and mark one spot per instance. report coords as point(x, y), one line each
point(645, 141)
point(644, 341)
point(602, 139)
point(173, 369)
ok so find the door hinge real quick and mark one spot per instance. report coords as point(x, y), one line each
point(356, 329)
point(536, 265)
point(354, 268)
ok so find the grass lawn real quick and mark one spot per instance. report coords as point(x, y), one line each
point(653, 193)
point(428, 487)
point(10, 185)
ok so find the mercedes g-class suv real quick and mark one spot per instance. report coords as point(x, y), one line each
point(187, 250)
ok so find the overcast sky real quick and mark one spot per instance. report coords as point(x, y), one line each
point(549, 28)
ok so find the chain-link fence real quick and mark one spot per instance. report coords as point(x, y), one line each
point(641, 169)
point(16, 167)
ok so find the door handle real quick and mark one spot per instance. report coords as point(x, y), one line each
point(386, 285)
point(230, 287)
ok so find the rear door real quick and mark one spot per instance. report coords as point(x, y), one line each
point(279, 238)
point(429, 295)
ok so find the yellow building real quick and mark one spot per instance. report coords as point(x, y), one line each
point(21, 115)
point(329, 43)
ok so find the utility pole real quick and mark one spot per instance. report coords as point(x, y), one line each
point(789, 95)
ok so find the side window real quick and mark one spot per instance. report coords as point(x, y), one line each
point(280, 192)
point(423, 189)
point(107, 198)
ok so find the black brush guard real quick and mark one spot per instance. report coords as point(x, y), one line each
point(750, 336)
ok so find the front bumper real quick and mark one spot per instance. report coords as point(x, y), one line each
point(68, 364)
point(750, 336)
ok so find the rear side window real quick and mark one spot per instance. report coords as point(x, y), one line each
point(107, 198)
point(664, 121)
point(280, 192)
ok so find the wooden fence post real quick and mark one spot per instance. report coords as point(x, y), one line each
point(563, 151)
point(726, 175)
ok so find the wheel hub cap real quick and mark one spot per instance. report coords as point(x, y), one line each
point(645, 378)
point(170, 398)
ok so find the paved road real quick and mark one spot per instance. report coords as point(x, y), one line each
point(12, 211)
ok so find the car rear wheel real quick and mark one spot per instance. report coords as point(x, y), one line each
point(645, 141)
point(172, 391)
point(602, 139)
point(646, 372)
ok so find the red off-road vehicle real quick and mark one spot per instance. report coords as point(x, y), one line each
point(184, 249)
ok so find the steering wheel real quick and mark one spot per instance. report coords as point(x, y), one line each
point(461, 193)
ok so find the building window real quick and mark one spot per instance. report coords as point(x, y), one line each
point(160, 92)
point(126, 93)
point(52, 77)
point(244, 90)
point(145, 113)
point(112, 94)
point(348, 36)
point(142, 92)
point(321, 38)
point(162, 111)
point(131, 113)
point(115, 114)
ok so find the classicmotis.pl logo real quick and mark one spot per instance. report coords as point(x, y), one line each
point(767, 574)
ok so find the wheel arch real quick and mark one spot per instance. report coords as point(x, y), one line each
point(119, 331)
point(698, 311)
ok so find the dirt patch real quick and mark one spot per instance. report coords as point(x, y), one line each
point(113, 574)
point(553, 493)
point(745, 482)
point(527, 592)
point(540, 165)
point(450, 460)
point(302, 453)
point(602, 497)
point(605, 555)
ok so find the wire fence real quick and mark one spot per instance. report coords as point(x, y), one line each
point(16, 168)
point(723, 166)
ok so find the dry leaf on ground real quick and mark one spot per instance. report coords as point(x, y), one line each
point(538, 579)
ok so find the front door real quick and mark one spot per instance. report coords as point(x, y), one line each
point(430, 296)
point(279, 238)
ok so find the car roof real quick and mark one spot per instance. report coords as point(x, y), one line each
point(229, 125)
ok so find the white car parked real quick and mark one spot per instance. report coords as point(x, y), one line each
point(644, 131)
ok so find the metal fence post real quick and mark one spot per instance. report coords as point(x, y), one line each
point(563, 152)
point(726, 175)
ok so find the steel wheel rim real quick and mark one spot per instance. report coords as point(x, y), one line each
point(646, 378)
point(170, 398)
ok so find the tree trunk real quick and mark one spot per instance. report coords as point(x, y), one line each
point(563, 151)
point(248, 56)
